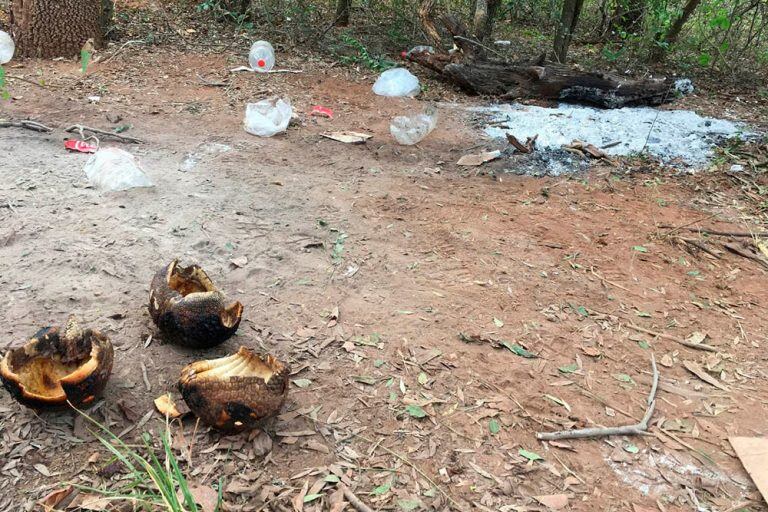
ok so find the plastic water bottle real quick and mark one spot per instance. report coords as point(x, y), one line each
point(262, 57)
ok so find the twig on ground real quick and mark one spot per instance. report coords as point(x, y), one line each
point(27, 80)
point(354, 500)
point(689, 344)
point(80, 129)
point(120, 50)
point(714, 232)
point(700, 246)
point(627, 430)
point(28, 125)
point(416, 468)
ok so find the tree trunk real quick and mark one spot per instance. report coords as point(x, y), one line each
point(57, 28)
point(427, 18)
point(674, 31)
point(342, 13)
point(485, 12)
point(568, 20)
point(628, 16)
point(547, 81)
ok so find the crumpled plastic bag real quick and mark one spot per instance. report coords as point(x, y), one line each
point(113, 169)
point(268, 117)
point(397, 82)
point(7, 48)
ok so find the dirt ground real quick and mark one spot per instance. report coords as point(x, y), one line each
point(413, 251)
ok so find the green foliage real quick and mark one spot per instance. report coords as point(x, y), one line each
point(360, 54)
point(4, 94)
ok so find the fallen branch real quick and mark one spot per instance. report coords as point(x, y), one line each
point(354, 500)
point(714, 232)
point(689, 344)
point(700, 246)
point(79, 128)
point(735, 249)
point(637, 429)
point(28, 125)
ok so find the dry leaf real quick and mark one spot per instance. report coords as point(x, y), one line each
point(553, 501)
point(698, 371)
point(347, 137)
point(666, 361)
point(753, 453)
point(204, 496)
point(478, 159)
point(298, 500)
point(50, 501)
point(640, 508)
point(166, 406)
point(42, 469)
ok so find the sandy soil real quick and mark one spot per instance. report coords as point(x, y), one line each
point(561, 267)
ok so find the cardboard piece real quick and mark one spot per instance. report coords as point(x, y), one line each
point(753, 454)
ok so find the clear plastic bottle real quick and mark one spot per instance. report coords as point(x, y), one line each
point(410, 130)
point(7, 48)
point(262, 57)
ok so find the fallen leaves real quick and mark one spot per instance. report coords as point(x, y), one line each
point(166, 406)
point(697, 370)
point(51, 500)
point(553, 501)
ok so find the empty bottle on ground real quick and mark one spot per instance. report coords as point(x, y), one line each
point(262, 57)
point(410, 130)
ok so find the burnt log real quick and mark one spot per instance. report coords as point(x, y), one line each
point(548, 81)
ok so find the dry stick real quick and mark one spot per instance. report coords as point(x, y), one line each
point(689, 344)
point(80, 129)
point(678, 228)
point(714, 232)
point(29, 125)
point(627, 430)
point(354, 500)
point(407, 461)
point(27, 80)
point(119, 50)
point(700, 246)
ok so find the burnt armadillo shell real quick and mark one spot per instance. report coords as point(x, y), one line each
point(234, 404)
point(195, 320)
point(82, 386)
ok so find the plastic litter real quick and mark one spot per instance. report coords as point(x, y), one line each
point(397, 82)
point(261, 57)
point(419, 49)
point(321, 111)
point(410, 130)
point(7, 47)
point(193, 158)
point(79, 146)
point(113, 169)
point(268, 117)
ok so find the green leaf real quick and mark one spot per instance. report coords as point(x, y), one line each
point(364, 379)
point(643, 314)
point(311, 497)
point(416, 411)
point(409, 505)
point(122, 128)
point(382, 489)
point(529, 455)
point(431, 492)
point(631, 448)
point(581, 310)
point(518, 350)
point(558, 401)
point(302, 383)
point(378, 363)
point(423, 378)
point(643, 344)
point(493, 426)
point(568, 368)
point(639, 248)
point(332, 479)
point(498, 323)
point(623, 377)
point(338, 248)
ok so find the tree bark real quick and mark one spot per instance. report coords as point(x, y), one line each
point(547, 81)
point(57, 28)
point(659, 51)
point(342, 13)
point(427, 18)
point(568, 20)
point(485, 12)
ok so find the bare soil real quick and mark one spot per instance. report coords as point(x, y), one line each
point(413, 251)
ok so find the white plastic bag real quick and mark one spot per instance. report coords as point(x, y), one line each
point(112, 169)
point(397, 82)
point(410, 130)
point(7, 48)
point(268, 117)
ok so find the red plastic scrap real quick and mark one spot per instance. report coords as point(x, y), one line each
point(79, 146)
point(321, 111)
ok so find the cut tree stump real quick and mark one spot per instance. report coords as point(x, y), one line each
point(548, 81)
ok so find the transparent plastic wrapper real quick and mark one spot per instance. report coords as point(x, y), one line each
point(410, 130)
point(397, 82)
point(268, 117)
point(112, 170)
point(261, 57)
point(7, 47)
